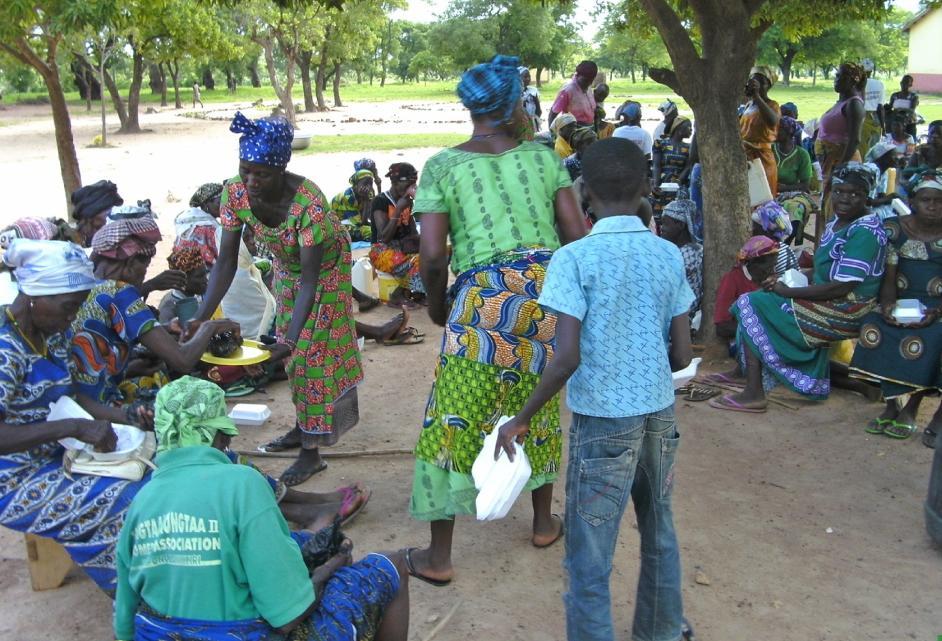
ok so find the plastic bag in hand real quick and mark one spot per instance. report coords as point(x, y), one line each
point(499, 482)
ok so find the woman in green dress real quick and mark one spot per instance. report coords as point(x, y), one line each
point(501, 202)
point(906, 358)
point(783, 333)
point(314, 302)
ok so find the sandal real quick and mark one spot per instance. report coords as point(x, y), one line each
point(727, 403)
point(878, 425)
point(929, 438)
point(719, 377)
point(900, 431)
point(421, 577)
point(699, 393)
point(283, 443)
point(407, 336)
point(349, 500)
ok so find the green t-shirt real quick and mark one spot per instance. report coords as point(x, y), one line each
point(495, 202)
point(795, 167)
point(204, 539)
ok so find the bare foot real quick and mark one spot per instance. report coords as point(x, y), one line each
point(422, 567)
point(545, 534)
point(308, 516)
point(308, 463)
point(395, 325)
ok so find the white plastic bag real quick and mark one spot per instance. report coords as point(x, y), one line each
point(759, 191)
point(499, 482)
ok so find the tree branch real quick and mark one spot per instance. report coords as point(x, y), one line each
point(15, 53)
point(665, 77)
point(679, 45)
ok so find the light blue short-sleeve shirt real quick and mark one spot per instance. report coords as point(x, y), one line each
point(625, 284)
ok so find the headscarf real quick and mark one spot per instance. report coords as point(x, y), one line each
point(91, 200)
point(127, 237)
point(189, 411)
point(678, 121)
point(587, 69)
point(522, 70)
point(879, 150)
point(853, 71)
point(364, 163)
point(868, 65)
point(756, 247)
point(132, 212)
point(402, 172)
point(789, 125)
point(359, 175)
point(773, 219)
point(629, 110)
point(186, 259)
point(205, 194)
point(29, 227)
point(266, 141)
point(765, 71)
point(928, 179)
point(667, 107)
point(561, 121)
point(49, 267)
point(684, 211)
point(788, 109)
point(855, 173)
point(582, 135)
point(491, 87)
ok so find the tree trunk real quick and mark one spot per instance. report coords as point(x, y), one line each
point(153, 78)
point(174, 69)
point(711, 83)
point(321, 78)
point(539, 77)
point(230, 80)
point(253, 74)
point(208, 82)
point(304, 63)
point(132, 125)
point(633, 79)
point(814, 76)
point(336, 75)
point(283, 92)
point(785, 65)
point(163, 85)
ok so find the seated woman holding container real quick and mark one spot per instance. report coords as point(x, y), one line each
point(783, 334)
point(904, 354)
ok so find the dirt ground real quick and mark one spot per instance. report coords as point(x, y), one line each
point(800, 525)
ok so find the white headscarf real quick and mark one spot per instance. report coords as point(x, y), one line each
point(49, 267)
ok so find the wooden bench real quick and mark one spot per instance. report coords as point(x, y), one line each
point(48, 562)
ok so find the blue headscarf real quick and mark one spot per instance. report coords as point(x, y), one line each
point(364, 163)
point(492, 87)
point(266, 141)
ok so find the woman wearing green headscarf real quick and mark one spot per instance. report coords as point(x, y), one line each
point(352, 206)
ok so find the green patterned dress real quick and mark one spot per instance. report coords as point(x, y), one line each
point(498, 339)
point(325, 368)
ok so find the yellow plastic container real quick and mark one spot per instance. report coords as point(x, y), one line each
point(387, 285)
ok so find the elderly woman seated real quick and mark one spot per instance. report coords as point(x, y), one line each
point(353, 205)
point(54, 279)
point(205, 555)
point(677, 227)
point(783, 333)
point(771, 220)
point(904, 357)
point(755, 263)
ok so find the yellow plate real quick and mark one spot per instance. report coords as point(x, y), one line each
point(249, 354)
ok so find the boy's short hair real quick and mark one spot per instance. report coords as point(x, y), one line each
point(614, 169)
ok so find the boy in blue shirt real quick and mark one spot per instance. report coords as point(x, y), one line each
point(622, 299)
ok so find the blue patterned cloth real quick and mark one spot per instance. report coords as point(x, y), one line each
point(491, 87)
point(85, 513)
point(625, 284)
point(266, 141)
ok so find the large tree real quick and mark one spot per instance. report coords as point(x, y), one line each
point(32, 33)
point(712, 45)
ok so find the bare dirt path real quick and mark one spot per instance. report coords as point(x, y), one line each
point(805, 527)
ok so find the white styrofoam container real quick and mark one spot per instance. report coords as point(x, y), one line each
point(249, 414)
point(684, 376)
point(909, 310)
point(794, 278)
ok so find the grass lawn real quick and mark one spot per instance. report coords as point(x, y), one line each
point(812, 101)
point(380, 142)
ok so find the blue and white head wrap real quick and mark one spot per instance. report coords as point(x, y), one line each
point(266, 141)
point(49, 267)
point(492, 87)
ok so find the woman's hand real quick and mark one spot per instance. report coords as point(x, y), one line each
point(343, 558)
point(512, 430)
point(774, 285)
point(279, 351)
point(98, 434)
point(437, 311)
point(167, 279)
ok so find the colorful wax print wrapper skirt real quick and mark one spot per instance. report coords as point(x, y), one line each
point(497, 342)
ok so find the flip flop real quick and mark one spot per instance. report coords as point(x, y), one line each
point(878, 425)
point(727, 403)
point(438, 583)
point(719, 377)
point(350, 496)
point(929, 438)
point(562, 531)
point(699, 393)
point(302, 478)
point(407, 336)
point(900, 431)
point(279, 444)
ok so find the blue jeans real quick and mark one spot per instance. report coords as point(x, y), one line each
point(608, 459)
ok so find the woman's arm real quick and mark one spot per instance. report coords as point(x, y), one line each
point(311, 258)
point(804, 186)
point(825, 291)
point(855, 118)
point(433, 264)
point(768, 114)
point(681, 351)
point(19, 438)
point(386, 226)
point(569, 218)
point(223, 272)
point(183, 357)
point(888, 291)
